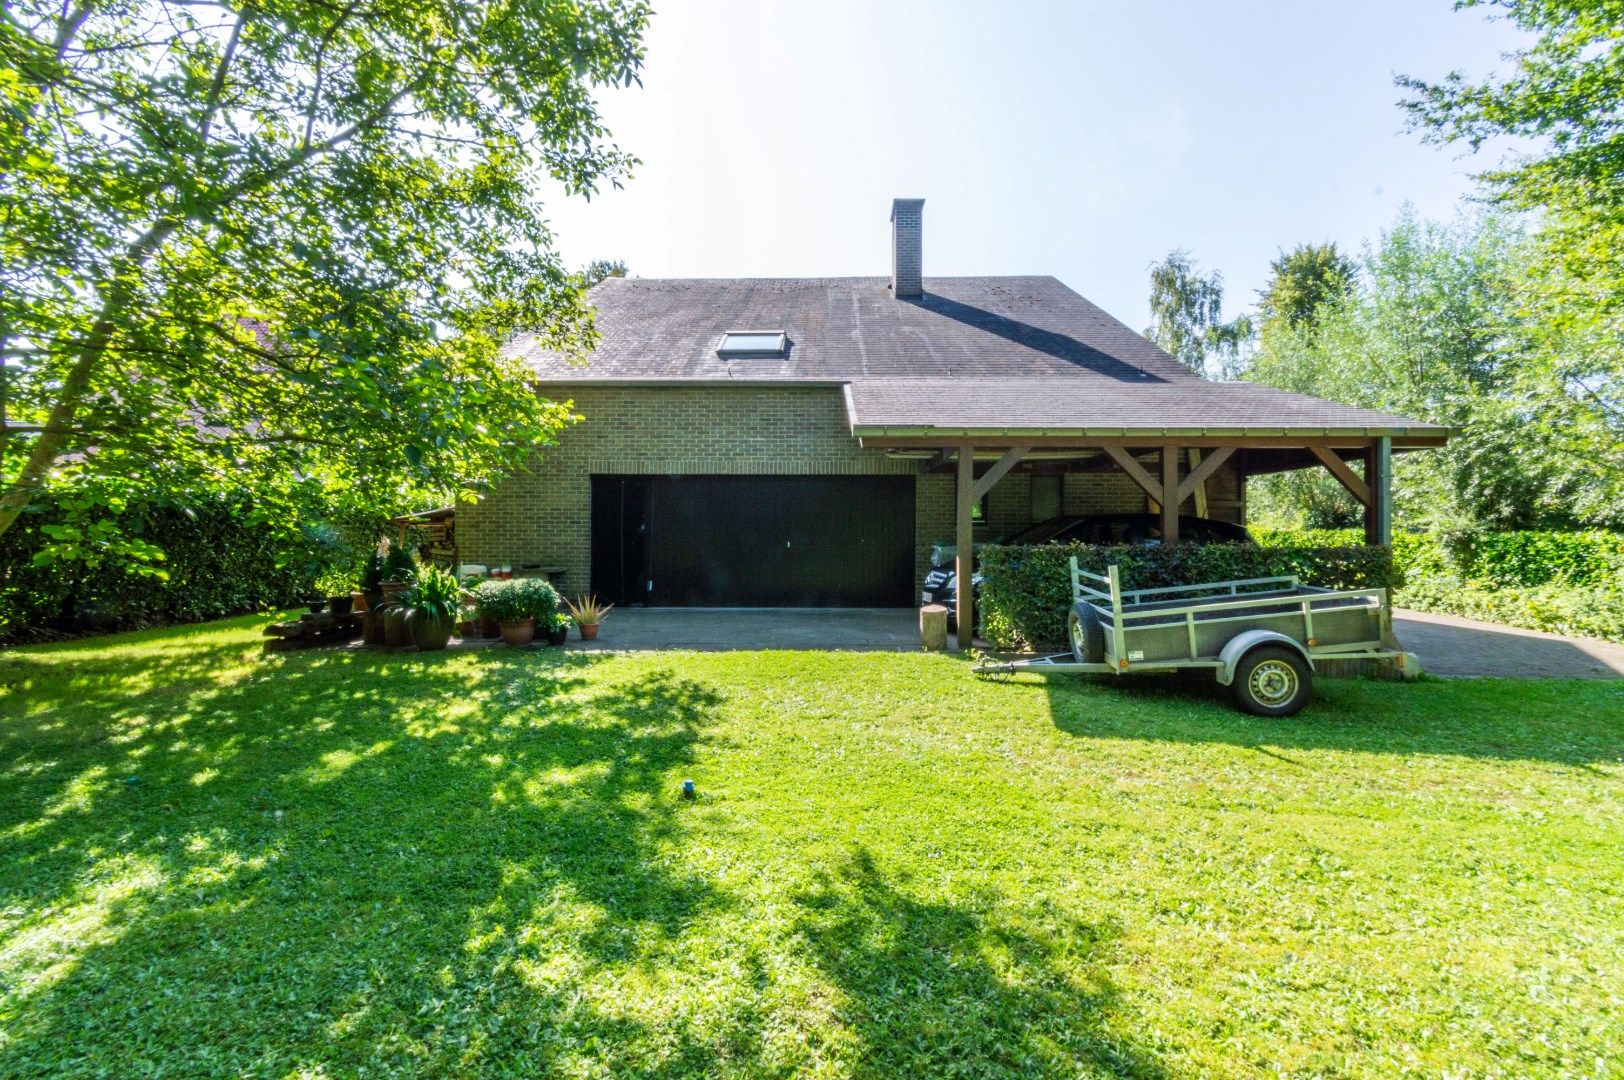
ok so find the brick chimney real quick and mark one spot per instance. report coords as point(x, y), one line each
point(907, 241)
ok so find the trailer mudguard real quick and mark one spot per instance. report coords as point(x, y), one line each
point(1243, 643)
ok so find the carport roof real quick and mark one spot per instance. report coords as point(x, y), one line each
point(1106, 407)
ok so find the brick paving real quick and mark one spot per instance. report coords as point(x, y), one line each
point(1450, 645)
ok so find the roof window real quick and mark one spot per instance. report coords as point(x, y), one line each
point(738, 344)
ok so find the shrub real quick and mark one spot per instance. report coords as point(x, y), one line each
point(518, 599)
point(1026, 591)
point(217, 561)
point(435, 594)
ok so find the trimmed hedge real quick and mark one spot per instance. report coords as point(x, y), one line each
point(1559, 582)
point(219, 563)
point(1026, 591)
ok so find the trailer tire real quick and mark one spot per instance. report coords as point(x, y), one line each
point(1086, 635)
point(1272, 681)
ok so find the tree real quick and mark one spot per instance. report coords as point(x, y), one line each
point(1187, 316)
point(1563, 106)
point(598, 269)
point(1302, 282)
point(280, 243)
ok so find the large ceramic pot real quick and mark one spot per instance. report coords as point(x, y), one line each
point(397, 633)
point(392, 590)
point(519, 633)
point(430, 634)
point(339, 605)
point(372, 627)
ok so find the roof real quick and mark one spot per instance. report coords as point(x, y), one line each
point(1105, 407)
point(846, 328)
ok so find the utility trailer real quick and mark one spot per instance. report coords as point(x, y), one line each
point(1260, 637)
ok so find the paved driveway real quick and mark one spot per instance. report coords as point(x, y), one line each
point(1450, 645)
point(757, 628)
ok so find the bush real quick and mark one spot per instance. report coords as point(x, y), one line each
point(218, 561)
point(1026, 591)
point(518, 599)
point(1560, 582)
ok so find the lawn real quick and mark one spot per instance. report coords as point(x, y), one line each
point(325, 864)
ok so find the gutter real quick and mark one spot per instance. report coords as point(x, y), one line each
point(961, 434)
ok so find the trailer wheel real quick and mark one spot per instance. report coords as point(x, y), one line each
point(1272, 681)
point(1086, 635)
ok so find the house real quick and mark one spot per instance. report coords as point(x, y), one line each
point(805, 441)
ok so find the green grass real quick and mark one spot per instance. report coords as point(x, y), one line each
point(328, 864)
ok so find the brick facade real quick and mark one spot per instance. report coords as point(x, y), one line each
point(542, 515)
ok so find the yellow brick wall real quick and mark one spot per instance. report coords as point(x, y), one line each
point(542, 514)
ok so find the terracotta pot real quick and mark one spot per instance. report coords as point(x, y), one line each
point(430, 634)
point(557, 637)
point(488, 627)
point(392, 589)
point(358, 601)
point(519, 633)
point(589, 631)
point(372, 628)
point(397, 633)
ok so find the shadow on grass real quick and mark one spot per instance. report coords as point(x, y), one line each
point(933, 989)
point(1577, 723)
point(333, 860)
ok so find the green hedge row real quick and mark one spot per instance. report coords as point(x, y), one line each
point(1498, 560)
point(218, 562)
point(1026, 591)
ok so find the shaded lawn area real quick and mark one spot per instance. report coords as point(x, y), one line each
point(339, 864)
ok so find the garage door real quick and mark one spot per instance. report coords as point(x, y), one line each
point(754, 541)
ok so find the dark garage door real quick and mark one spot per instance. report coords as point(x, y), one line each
point(754, 541)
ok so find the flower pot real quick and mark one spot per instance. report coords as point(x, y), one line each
point(339, 605)
point(589, 631)
point(428, 633)
point(358, 601)
point(392, 589)
point(519, 633)
point(557, 637)
point(488, 627)
point(371, 601)
point(397, 633)
point(317, 606)
point(372, 628)
point(468, 628)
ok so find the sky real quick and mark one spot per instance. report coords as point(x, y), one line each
point(1084, 139)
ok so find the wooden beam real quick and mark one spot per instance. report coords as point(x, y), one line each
point(965, 499)
point(1011, 458)
point(1170, 491)
point(1125, 461)
point(1201, 473)
point(1339, 469)
point(941, 461)
point(1379, 481)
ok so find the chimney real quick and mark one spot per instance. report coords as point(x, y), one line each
point(907, 238)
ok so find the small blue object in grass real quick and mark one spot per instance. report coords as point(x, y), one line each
point(687, 789)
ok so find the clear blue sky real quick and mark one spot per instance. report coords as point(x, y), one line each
point(1083, 140)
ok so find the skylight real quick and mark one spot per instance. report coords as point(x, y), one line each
point(761, 343)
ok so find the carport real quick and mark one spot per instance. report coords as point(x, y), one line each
point(1169, 437)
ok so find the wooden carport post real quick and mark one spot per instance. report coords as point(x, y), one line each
point(1379, 481)
point(965, 500)
point(1170, 498)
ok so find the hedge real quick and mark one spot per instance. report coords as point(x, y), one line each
point(218, 562)
point(1562, 583)
point(1026, 591)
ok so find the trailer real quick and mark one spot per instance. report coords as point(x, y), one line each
point(1260, 637)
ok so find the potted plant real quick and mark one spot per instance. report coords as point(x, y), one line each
point(558, 628)
point(431, 607)
point(372, 628)
point(399, 570)
point(588, 613)
point(517, 605)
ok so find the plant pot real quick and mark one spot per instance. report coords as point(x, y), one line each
point(430, 634)
point(358, 601)
point(316, 606)
point(372, 628)
point(519, 633)
point(557, 637)
point(589, 631)
point(489, 627)
point(339, 605)
point(468, 628)
point(397, 633)
point(392, 589)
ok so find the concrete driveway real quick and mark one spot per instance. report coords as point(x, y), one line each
point(1450, 645)
point(887, 629)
